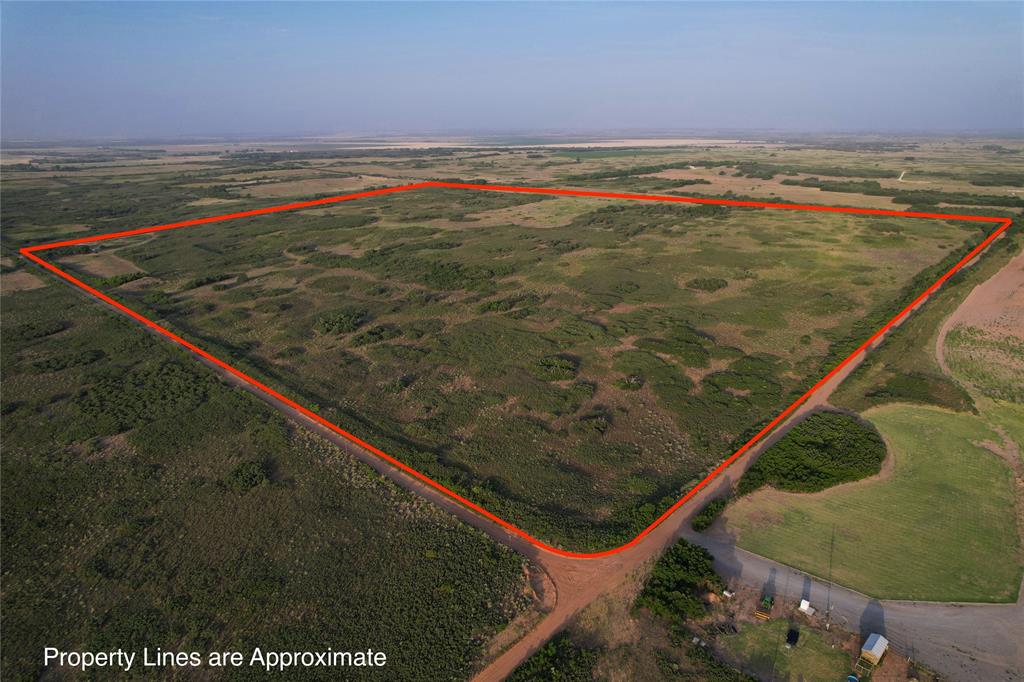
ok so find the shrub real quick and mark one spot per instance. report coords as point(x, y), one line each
point(553, 368)
point(247, 476)
point(342, 321)
point(560, 660)
point(919, 387)
point(708, 284)
point(118, 280)
point(380, 333)
point(203, 281)
point(634, 382)
point(59, 362)
point(681, 575)
point(826, 449)
point(711, 511)
point(38, 330)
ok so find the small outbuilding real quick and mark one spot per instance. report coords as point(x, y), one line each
point(874, 648)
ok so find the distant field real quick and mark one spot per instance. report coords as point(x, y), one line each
point(941, 526)
point(571, 364)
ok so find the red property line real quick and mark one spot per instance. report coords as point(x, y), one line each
point(30, 253)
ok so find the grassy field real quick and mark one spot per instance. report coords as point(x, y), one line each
point(993, 364)
point(904, 369)
point(929, 530)
point(573, 365)
point(762, 649)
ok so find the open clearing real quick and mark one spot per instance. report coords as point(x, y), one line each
point(928, 531)
point(574, 379)
point(761, 649)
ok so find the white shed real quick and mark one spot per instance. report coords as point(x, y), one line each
point(874, 648)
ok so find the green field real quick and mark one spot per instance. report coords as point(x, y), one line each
point(904, 368)
point(993, 364)
point(572, 364)
point(930, 530)
point(761, 647)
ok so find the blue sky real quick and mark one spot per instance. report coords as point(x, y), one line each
point(180, 69)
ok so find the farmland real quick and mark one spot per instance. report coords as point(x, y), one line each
point(946, 509)
point(573, 365)
point(954, 433)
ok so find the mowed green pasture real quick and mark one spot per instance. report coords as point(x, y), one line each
point(572, 364)
point(929, 529)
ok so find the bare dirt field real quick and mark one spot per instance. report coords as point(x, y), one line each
point(19, 281)
point(101, 265)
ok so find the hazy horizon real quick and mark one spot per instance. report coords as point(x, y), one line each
point(222, 70)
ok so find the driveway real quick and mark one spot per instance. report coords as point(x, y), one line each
point(969, 642)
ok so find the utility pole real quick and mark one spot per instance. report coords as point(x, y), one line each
point(828, 600)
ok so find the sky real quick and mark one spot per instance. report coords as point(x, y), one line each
point(144, 70)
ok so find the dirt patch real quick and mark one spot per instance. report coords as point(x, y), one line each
point(312, 186)
point(995, 306)
point(211, 201)
point(19, 281)
point(103, 264)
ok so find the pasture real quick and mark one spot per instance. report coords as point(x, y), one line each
point(927, 530)
point(574, 372)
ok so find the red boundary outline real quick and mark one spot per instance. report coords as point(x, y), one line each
point(30, 253)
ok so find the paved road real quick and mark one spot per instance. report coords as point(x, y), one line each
point(969, 642)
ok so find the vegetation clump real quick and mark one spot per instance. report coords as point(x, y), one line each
point(826, 449)
point(925, 388)
point(711, 511)
point(560, 660)
point(247, 475)
point(342, 321)
point(554, 368)
point(382, 332)
point(707, 284)
point(682, 575)
point(120, 402)
point(203, 281)
point(59, 362)
point(118, 280)
point(39, 329)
